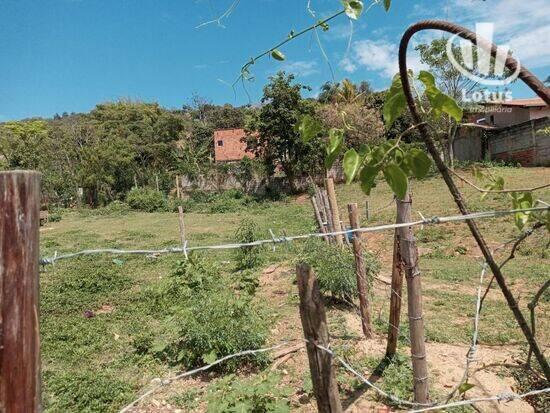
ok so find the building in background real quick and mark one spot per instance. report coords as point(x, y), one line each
point(230, 145)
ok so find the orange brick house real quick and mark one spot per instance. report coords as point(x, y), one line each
point(229, 145)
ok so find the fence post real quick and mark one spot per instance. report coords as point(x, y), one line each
point(182, 225)
point(178, 190)
point(395, 297)
point(314, 323)
point(318, 217)
point(367, 209)
point(409, 255)
point(360, 272)
point(19, 255)
point(335, 214)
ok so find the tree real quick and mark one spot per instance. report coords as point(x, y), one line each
point(272, 133)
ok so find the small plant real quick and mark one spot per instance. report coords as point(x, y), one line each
point(260, 394)
point(335, 268)
point(147, 200)
point(247, 257)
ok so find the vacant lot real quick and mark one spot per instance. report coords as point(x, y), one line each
point(100, 327)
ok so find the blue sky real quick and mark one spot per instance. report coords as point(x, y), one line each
point(68, 55)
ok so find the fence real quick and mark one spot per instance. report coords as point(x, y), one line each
point(19, 334)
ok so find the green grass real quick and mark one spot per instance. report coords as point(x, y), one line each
point(90, 364)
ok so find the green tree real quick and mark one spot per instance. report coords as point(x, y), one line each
point(277, 141)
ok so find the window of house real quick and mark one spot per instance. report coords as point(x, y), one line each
point(220, 143)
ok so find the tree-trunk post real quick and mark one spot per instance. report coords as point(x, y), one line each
point(395, 297)
point(314, 323)
point(328, 214)
point(360, 272)
point(318, 217)
point(409, 255)
point(181, 225)
point(367, 209)
point(178, 190)
point(335, 214)
point(19, 257)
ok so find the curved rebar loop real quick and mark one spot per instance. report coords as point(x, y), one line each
point(538, 87)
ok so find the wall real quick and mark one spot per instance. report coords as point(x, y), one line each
point(468, 145)
point(522, 143)
point(232, 147)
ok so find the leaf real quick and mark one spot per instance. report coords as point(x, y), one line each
point(368, 178)
point(396, 179)
point(309, 128)
point(395, 102)
point(522, 200)
point(419, 163)
point(464, 387)
point(209, 358)
point(352, 161)
point(334, 147)
point(353, 8)
point(323, 25)
point(387, 5)
point(277, 55)
point(447, 104)
point(118, 262)
point(427, 79)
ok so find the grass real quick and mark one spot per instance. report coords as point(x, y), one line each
point(90, 363)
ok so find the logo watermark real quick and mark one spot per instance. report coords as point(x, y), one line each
point(477, 64)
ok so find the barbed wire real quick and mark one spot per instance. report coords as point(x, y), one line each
point(274, 240)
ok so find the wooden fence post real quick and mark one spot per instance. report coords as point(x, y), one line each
point(409, 255)
point(318, 217)
point(314, 323)
point(395, 298)
point(19, 332)
point(178, 190)
point(182, 225)
point(360, 272)
point(335, 214)
point(367, 209)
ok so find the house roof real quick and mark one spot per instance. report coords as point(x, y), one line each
point(523, 103)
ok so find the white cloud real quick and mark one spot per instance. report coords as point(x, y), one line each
point(301, 68)
point(524, 25)
point(347, 65)
point(379, 56)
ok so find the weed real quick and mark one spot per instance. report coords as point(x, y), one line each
point(147, 200)
point(247, 257)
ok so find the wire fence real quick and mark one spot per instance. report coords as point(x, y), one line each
point(185, 249)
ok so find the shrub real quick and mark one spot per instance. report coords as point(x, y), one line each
point(335, 268)
point(261, 394)
point(210, 319)
point(247, 257)
point(148, 200)
point(217, 202)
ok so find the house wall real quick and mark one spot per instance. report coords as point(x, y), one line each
point(522, 143)
point(232, 148)
point(503, 116)
point(468, 145)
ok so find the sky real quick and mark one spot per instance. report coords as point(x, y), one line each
point(69, 55)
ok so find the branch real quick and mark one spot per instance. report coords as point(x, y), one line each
point(225, 15)
point(500, 191)
point(512, 255)
point(531, 307)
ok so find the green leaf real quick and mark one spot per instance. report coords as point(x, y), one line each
point(395, 102)
point(352, 162)
point(464, 387)
point(418, 162)
point(323, 25)
point(396, 179)
point(427, 79)
point(309, 128)
point(277, 55)
point(209, 358)
point(353, 8)
point(118, 262)
point(522, 200)
point(448, 105)
point(368, 178)
point(334, 146)
point(387, 5)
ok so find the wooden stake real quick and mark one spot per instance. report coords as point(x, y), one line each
point(367, 209)
point(314, 323)
point(328, 213)
point(360, 272)
point(157, 183)
point(335, 214)
point(409, 255)
point(395, 298)
point(318, 217)
point(178, 191)
point(182, 225)
point(19, 299)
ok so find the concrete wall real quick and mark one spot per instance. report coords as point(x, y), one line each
point(521, 143)
point(468, 145)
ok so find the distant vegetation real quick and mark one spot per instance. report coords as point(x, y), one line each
point(117, 145)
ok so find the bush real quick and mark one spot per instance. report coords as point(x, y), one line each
point(247, 257)
point(211, 320)
point(261, 394)
point(148, 200)
point(217, 202)
point(335, 268)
